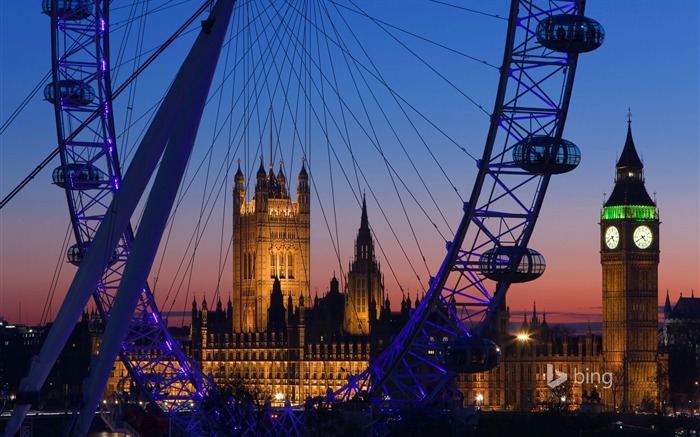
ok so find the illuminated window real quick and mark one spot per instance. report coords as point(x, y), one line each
point(290, 266)
point(281, 265)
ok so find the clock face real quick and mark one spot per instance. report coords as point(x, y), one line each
point(612, 237)
point(642, 237)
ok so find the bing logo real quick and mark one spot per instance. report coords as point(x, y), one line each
point(555, 378)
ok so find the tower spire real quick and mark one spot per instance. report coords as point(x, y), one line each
point(629, 179)
point(364, 221)
point(534, 310)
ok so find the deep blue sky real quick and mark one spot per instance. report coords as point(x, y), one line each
point(649, 63)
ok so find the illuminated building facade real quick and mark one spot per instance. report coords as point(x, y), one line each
point(271, 240)
point(271, 337)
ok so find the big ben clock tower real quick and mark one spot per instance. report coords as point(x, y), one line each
point(629, 254)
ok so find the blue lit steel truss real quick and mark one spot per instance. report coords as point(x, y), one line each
point(532, 100)
point(86, 134)
point(91, 176)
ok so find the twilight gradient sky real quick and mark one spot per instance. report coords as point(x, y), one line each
point(649, 63)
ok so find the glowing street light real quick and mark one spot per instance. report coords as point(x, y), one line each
point(479, 400)
point(523, 337)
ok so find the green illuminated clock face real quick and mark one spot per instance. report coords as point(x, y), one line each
point(642, 237)
point(612, 237)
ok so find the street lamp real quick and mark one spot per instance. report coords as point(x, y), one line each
point(523, 336)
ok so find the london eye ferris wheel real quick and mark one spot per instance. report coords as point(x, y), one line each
point(311, 63)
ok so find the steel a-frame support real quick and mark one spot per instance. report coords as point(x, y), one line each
point(174, 131)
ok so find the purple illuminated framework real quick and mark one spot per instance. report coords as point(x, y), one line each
point(532, 100)
point(85, 131)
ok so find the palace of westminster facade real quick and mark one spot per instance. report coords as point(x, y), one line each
point(281, 344)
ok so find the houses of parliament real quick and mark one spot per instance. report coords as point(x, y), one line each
point(274, 339)
point(273, 336)
point(277, 341)
point(284, 344)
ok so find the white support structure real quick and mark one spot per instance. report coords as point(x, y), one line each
point(182, 132)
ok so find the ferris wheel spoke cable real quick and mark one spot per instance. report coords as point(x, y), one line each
point(397, 239)
point(298, 22)
point(312, 175)
point(188, 256)
point(428, 149)
point(24, 103)
point(400, 244)
point(345, 131)
point(375, 73)
point(393, 180)
point(361, 12)
point(287, 101)
point(295, 116)
point(227, 162)
point(335, 234)
point(469, 10)
point(354, 165)
point(200, 227)
point(45, 312)
point(381, 25)
point(129, 112)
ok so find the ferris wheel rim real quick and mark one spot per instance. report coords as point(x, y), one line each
point(435, 296)
point(377, 378)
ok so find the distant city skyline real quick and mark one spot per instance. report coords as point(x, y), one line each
point(649, 63)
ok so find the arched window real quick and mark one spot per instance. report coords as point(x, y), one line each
point(282, 271)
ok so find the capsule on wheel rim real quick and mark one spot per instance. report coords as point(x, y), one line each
point(470, 354)
point(70, 92)
point(68, 10)
point(546, 155)
point(570, 33)
point(76, 252)
point(495, 264)
point(78, 176)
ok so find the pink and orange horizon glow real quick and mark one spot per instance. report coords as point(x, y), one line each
point(649, 63)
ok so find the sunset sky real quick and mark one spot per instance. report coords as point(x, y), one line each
point(648, 63)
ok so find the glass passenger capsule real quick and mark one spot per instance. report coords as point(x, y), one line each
point(71, 92)
point(495, 264)
point(78, 176)
point(546, 155)
point(570, 33)
point(75, 254)
point(68, 10)
point(470, 354)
